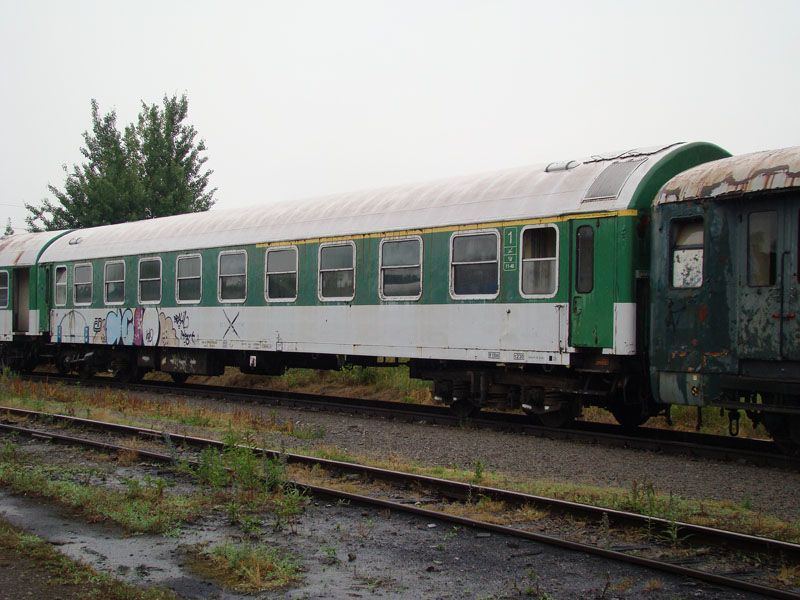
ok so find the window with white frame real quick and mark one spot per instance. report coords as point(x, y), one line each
point(232, 285)
point(401, 268)
point(337, 271)
point(474, 266)
point(114, 282)
point(189, 277)
point(687, 253)
point(540, 261)
point(149, 280)
point(60, 288)
point(281, 274)
point(82, 284)
point(3, 289)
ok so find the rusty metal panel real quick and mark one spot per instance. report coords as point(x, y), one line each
point(732, 177)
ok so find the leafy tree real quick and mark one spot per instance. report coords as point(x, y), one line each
point(153, 169)
point(9, 229)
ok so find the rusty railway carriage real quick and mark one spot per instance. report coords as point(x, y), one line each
point(726, 274)
point(528, 287)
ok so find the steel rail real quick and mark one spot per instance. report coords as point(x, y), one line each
point(717, 447)
point(674, 569)
point(446, 487)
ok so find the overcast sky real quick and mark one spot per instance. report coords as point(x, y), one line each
point(303, 98)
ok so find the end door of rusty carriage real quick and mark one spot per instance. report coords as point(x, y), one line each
point(768, 282)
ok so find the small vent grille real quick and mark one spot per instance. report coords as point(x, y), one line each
point(610, 181)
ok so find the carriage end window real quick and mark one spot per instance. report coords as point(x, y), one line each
point(188, 274)
point(60, 293)
point(687, 253)
point(114, 288)
point(82, 284)
point(474, 265)
point(232, 284)
point(3, 289)
point(540, 261)
point(762, 241)
point(150, 280)
point(337, 271)
point(401, 269)
point(281, 274)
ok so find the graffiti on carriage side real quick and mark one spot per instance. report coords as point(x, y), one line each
point(128, 327)
point(181, 321)
point(72, 325)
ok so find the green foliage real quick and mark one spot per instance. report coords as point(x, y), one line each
point(9, 229)
point(248, 568)
point(211, 470)
point(152, 169)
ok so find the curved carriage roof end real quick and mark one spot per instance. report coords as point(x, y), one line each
point(600, 183)
point(769, 170)
point(23, 249)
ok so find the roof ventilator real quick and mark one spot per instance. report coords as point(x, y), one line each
point(608, 184)
point(561, 166)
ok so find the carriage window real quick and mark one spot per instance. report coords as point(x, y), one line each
point(762, 237)
point(337, 271)
point(189, 278)
point(82, 287)
point(401, 268)
point(114, 282)
point(61, 286)
point(281, 274)
point(232, 286)
point(584, 276)
point(3, 289)
point(474, 265)
point(540, 261)
point(687, 253)
point(150, 280)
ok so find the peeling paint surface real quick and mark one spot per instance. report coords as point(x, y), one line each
point(755, 172)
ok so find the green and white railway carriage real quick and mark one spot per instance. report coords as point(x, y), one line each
point(726, 269)
point(23, 292)
point(518, 286)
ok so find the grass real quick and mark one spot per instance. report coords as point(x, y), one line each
point(246, 568)
point(379, 383)
point(140, 508)
point(112, 405)
point(40, 555)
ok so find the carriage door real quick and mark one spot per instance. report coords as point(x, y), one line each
point(21, 300)
point(768, 281)
point(592, 286)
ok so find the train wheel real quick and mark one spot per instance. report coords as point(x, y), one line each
point(179, 378)
point(785, 432)
point(86, 370)
point(128, 373)
point(463, 408)
point(561, 416)
point(628, 415)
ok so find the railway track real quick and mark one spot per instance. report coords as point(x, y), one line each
point(750, 451)
point(767, 549)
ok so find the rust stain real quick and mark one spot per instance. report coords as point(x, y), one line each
point(759, 171)
point(702, 313)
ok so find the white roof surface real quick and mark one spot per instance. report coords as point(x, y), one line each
point(520, 193)
point(21, 249)
point(759, 171)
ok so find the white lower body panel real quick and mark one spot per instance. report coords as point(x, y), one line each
point(512, 333)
